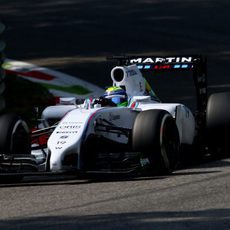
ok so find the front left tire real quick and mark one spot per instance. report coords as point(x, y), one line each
point(156, 136)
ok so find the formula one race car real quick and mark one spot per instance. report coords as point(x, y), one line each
point(129, 128)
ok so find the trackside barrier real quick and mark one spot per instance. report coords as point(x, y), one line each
point(2, 72)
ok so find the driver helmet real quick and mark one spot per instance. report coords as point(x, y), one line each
point(116, 95)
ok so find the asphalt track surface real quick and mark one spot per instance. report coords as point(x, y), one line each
point(74, 37)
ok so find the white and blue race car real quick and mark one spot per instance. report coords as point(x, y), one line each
point(129, 128)
point(99, 134)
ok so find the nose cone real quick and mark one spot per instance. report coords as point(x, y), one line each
point(55, 162)
point(64, 161)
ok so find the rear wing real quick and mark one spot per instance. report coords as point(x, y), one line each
point(195, 63)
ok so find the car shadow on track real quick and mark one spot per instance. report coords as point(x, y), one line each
point(74, 180)
point(96, 178)
point(207, 165)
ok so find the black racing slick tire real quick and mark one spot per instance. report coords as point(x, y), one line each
point(14, 136)
point(156, 136)
point(218, 121)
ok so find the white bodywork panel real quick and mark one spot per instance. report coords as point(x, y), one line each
point(184, 118)
point(55, 112)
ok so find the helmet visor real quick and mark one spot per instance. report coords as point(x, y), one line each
point(117, 99)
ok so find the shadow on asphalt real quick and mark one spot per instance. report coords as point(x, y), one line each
point(204, 219)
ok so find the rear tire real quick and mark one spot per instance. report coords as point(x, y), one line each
point(218, 123)
point(156, 136)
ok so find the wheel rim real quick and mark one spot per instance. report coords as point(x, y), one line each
point(20, 138)
point(169, 143)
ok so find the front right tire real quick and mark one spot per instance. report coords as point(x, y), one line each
point(14, 139)
point(14, 135)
